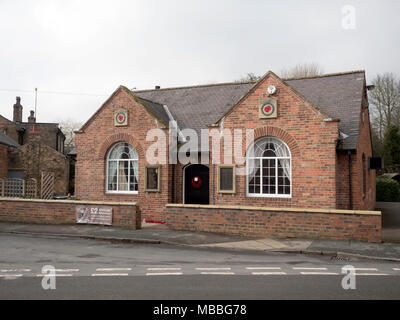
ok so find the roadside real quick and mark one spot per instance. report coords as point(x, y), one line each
point(159, 234)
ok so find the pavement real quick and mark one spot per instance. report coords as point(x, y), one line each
point(159, 234)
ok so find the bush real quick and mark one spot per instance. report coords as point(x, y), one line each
point(387, 190)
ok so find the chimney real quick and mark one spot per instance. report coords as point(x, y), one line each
point(158, 87)
point(34, 135)
point(17, 117)
point(31, 118)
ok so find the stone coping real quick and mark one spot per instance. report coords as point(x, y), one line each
point(306, 210)
point(77, 202)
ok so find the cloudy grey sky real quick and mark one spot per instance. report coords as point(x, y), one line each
point(78, 52)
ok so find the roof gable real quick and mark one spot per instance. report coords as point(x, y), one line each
point(262, 80)
point(155, 109)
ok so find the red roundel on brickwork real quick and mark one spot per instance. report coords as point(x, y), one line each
point(120, 117)
point(197, 182)
point(268, 109)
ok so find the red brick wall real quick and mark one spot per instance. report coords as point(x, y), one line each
point(3, 161)
point(62, 212)
point(364, 146)
point(311, 140)
point(361, 200)
point(280, 223)
point(96, 140)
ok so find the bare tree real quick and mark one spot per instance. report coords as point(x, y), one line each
point(68, 127)
point(302, 70)
point(385, 99)
point(249, 77)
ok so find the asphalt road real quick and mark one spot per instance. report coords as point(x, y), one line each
point(87, 269)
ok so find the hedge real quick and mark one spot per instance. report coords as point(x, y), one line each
point(387, 190)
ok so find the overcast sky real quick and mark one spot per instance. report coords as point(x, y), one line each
point(78, 52)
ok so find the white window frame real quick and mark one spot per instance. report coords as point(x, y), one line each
point(268, 195)
point(129, 171)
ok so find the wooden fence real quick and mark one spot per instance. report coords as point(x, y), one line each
point(18, 188)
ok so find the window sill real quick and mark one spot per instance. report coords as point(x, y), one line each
point(226, 192)
point(122, 192)
point(274, 196)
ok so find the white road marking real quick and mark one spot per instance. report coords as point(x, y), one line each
point(10, 275)
point(268, 273)
point(263, 268)
point(371, 274)
point(113, 269)
point(109, 274)
point(66, 270)
point(396, 269)
point(164, 274)
point(320, 273)
point(15, 270)
point(211, 269)
point(218, 273)
point(163, 269)
point(55, 275)
point(366, 269)
point(301, 268)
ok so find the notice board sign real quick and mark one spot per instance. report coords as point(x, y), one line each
point(94, 215)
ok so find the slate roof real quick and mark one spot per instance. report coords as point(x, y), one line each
point(157, 109)
point(337, 95)
point(196, 107)
point(7, 141)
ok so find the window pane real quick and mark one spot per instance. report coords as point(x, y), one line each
point(284, 176)
point(226, 179)
point(123, 173)
point(123, 150)
point(269, 181)
point(254, 172)
point(112, 176)
point(152, 178)
point(133, 176)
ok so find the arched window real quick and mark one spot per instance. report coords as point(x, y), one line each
point(269, 172)
point(122, 169)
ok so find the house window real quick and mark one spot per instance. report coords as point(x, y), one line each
point(152, 178)
point(269, 172)
point(122, 169)
point(226, 179)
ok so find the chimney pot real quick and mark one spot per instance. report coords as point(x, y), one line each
point(31, 118)
point(158, 87)
point(17, 115)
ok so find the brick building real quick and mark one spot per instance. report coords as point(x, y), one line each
point(35, 148)
point(311, 145)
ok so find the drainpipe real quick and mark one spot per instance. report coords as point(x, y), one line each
point(350, 184)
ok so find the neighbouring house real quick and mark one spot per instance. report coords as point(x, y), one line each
point(6, 143)
point(37, 147)
point(311, 145)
